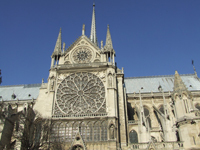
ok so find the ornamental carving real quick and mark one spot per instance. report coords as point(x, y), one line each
point(82, 55)
point(81, 93)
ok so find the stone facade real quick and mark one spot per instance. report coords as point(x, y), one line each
point(92, 106)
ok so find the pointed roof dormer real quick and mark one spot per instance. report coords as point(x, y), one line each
point(179, 86)
point(109, 45)
point(58, 48)
point(93, 36)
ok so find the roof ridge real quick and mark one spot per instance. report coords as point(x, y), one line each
point(158, 76)
point(24, 85)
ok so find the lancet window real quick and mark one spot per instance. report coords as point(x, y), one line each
point(161, 109)
point(103, 131)
point(90, 131)
point(147, 115)
point(133, 136)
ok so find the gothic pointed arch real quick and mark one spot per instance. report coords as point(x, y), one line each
point(133, 136)
point(104, 131)
point(161, 108)
point(78, 143)
point(147, 115)
point(112, 132)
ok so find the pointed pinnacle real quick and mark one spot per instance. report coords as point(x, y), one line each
point(108, 45)
point(179, 85)
point(57, 49)
point(93, 36)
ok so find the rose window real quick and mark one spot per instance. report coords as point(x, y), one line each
point(82, 55)
point(81, 93)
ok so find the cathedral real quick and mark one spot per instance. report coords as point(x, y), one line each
point(91, 106)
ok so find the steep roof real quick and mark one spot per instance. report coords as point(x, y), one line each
point(133, 84)
point(151, 83)
point(22, 92)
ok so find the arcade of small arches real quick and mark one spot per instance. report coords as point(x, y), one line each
point(89, 130)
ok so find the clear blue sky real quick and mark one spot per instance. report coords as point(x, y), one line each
point(150, 37)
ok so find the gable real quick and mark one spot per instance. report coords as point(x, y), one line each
point(82, 51)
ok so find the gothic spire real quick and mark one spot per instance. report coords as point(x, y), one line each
point(108, 45)
point(57, 50)
point(93, 36)
point(179, 85)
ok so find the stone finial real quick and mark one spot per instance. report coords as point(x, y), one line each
point(83, 29)
point(101, 44)
point(63, 47)
point(42, 80)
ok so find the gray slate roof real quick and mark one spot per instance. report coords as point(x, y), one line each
point(21, 91)
point(150, 84)
point(133, 84)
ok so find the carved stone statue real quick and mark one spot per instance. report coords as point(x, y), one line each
point(112, 132)
point(110, 81)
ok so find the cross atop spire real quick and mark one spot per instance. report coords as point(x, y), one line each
point(93, 36)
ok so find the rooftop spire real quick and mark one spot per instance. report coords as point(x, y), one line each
point(93, 36)
point(179, 85)
point(57, 50)
point(108, 45)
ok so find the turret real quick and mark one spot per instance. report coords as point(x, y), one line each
point(182, 97)
point(108, 48)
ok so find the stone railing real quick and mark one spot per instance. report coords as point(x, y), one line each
point(133, 122)
point(158, 145)
point(93, 64)
point(80, 115)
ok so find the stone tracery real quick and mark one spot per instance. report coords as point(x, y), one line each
point(82, 55)
point(81, 93)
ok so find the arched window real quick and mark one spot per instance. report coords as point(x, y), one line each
point(96, 131)
point(133, 136)
point(161, 109)
point(61, 132)
point(197, 106)
point(177, 136)
point(90, 131)
point(83, 130)
point(104, 131)
point(70, 132)
point(147, 115)
point(54, 131)
point(67, 132)
point(75, 129)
